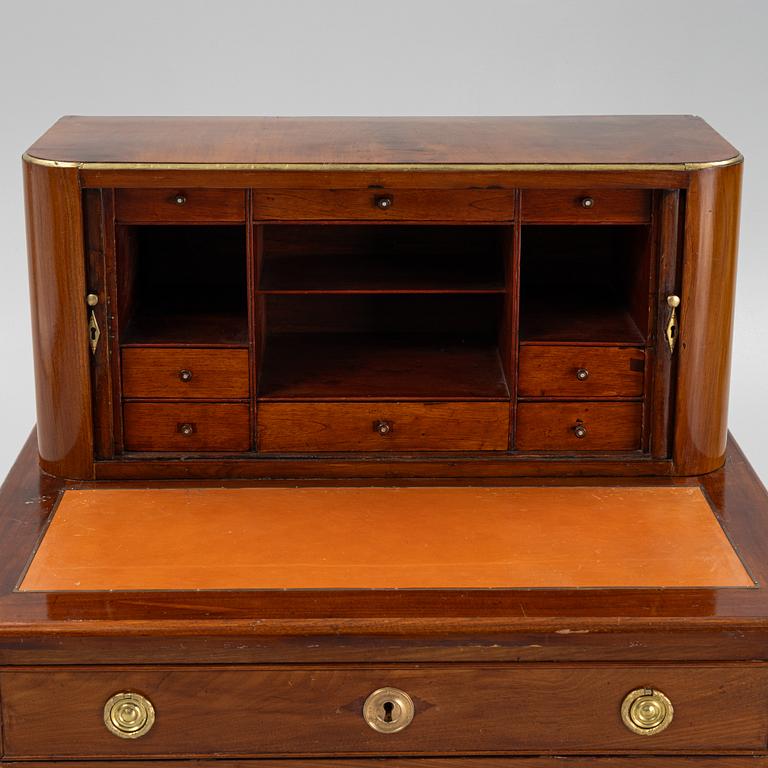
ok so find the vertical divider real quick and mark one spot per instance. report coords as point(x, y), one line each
point(662, 392)
point(512, 318)
point(113, 317)
point(96, 282)
point(252, 236)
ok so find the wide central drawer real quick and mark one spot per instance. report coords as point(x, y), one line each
point(320, 711)
point(465, 205)
point(383, 426)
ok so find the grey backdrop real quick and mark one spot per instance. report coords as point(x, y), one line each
point(389, 57)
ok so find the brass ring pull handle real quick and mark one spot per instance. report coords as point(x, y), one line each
point(180, 199)
point(587, 202)
point(646, 711)
point(129, 715)
point(185, 375)
point(384, 203)
point(388, 710)
point(582, 374)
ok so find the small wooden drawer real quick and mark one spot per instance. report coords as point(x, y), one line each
point(379, 205)
point(308, 427)
point(177, 206)
point(185, 373)
point(186, 427)
point(580, 426)
point(580, 372)
point(458, 709)
point(586, 206)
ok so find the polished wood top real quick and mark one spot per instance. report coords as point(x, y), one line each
point(484, 141)
point(383, 538)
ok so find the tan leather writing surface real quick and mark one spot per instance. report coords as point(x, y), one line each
point(383, 538)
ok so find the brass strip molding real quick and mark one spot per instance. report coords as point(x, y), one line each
point(397, 167)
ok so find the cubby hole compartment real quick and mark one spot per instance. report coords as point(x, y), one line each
point(584, 284)
point(182, 284)
point(383, 258)
point(378, 347)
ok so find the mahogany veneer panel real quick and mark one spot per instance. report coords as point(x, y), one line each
point(157, 426)
point(476, 205)
point(550, 371)
point(151, 372)
point(459, 708)
point(383, 538)
point(551, 426)
point(380, 140)
point(160, 205)
point(614, 206)
point(412, 426)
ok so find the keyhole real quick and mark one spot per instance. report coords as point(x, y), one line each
point(93, 334)
point(388, 708)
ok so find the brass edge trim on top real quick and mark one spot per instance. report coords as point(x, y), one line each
point(397, 167)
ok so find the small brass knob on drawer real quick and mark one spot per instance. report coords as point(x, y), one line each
point(582, 374)
point(185, 375)
point(580, 431)
point(385, 202)
point(187, 429)
point(129, 715)
point(180, 199)
point(388, 710)
point(587, 202)
point(646, 711)
point(382, 427)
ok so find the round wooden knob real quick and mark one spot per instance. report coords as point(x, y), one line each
point(383, 427)
point(646, 711)
point(582, 374)
point(187, 429)
point(384, 203)
point(185, 375)
point(388, 710)
point(129, 715)
point(580, 431)
point(180, 199)
point(587, 202)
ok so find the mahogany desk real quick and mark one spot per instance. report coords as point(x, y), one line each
point(383, 440)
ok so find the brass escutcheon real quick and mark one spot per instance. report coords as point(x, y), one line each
point(388, 710)
point(646, 711)
point(129, 715)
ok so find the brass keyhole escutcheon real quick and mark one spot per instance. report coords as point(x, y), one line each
point(388, 710)
point(129, 715)
point(646, 711)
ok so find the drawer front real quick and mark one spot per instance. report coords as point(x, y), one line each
point(179, 205)
point(378, 205)
point(466, 709)
point(186, 427)
point(383, 427)
point(151, 372)
point(585, 206)
point(580, 372)
point(579, 426)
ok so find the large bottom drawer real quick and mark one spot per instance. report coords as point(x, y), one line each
point(383, 426)
point(467, 709)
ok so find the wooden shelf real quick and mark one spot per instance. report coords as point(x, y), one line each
point(188, 329)
point(385, 273)
point(588, 323)
point(373, 367)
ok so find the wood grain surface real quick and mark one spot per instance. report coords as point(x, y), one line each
point(422, 140)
